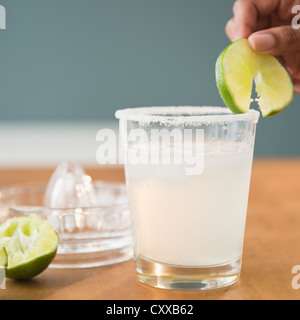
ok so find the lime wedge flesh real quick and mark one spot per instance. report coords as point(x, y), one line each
point(3, 258)
point(30, 244)
point(238, 66)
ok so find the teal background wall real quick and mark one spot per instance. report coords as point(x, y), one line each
point(83, 59)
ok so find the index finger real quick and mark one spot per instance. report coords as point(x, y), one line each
point(247, 14)
point(245, 19)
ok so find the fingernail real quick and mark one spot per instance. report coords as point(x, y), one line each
point(262, 42)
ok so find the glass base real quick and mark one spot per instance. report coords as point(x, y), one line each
point(165, 276)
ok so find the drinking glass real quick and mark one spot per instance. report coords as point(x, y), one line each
point(187, 174)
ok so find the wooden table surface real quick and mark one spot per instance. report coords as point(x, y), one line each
point(271, 247)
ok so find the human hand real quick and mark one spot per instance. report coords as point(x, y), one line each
point(268, 26)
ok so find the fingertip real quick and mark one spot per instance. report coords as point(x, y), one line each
point(242, 32)
point(245, 32)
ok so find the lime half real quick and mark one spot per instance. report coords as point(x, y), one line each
point(236, 68)
point(30, 245)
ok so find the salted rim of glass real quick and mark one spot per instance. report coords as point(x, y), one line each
point(184, 114)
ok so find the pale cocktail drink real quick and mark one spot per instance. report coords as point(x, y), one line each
point(188, 227)
point(190, 220)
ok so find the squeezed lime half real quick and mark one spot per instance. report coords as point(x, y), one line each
point(28, 245)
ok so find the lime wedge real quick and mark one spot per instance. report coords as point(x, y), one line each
point(30, 244)
point(236, 68)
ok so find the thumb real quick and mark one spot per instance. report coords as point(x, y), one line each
point(276, 41)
